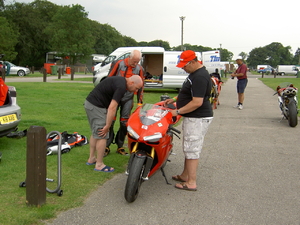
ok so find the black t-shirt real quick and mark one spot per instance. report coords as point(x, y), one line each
point(197, 84)
point(108, 89)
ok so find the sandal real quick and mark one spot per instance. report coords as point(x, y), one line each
point(106, 169)
point(121, 151)
point(185, 187)
point(107, 151)
point(178, 178)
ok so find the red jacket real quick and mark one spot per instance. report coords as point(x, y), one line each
point(122, 68)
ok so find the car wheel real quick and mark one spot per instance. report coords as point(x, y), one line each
point(282, 74)
point(21, 73)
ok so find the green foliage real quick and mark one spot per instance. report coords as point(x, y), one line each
point(296, 59)
point(196, 48)
point(70, 34)
point(226, 55)
point(129, 41)
point(30, 20)
point(160, 43)
point(273, 54)
point(8, 39)
point(107, 38)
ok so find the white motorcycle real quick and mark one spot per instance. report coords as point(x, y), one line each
point(288, 103)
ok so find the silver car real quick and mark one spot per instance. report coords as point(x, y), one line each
point(18, 70)
point(10, 112)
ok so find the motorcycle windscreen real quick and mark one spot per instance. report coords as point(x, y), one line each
point(150, 114)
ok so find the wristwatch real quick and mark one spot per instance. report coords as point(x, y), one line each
point(178, 112)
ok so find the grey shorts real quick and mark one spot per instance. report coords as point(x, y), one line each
point(97, 119)
point(194, 130)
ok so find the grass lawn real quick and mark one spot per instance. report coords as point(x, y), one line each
point(57, 107)
point(274, 82)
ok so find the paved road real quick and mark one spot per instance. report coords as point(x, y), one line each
point(248, 174)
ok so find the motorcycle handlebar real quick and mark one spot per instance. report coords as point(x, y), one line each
point(174, 129)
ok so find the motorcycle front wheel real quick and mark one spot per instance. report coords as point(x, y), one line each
point(134, 179)
point(293, 111)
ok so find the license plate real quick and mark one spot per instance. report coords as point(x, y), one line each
point(8, 119)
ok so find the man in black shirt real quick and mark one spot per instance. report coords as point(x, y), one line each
point(100, 106)
point(193, 104)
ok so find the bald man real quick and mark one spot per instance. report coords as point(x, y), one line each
point(101, 106)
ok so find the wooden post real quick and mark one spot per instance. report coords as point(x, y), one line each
point(36, 165)
point(72, 72)
point(44, 74)
point(59, 72)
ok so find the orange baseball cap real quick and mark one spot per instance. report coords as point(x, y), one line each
point(185, 57)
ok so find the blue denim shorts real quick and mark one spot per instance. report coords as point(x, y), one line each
point(241, 85)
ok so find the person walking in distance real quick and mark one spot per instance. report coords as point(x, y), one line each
point(193, 104)
point(241, 75)
point(125, 68)
point(101, 106)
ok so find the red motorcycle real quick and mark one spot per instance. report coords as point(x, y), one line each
point(150, 134)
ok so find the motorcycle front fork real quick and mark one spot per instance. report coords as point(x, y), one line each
point(148, 160)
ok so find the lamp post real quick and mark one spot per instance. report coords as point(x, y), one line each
point(182, 19)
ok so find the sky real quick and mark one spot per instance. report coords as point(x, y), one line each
point(238, 26)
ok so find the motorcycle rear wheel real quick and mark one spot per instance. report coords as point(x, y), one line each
point(134, 179)
point(293, 111)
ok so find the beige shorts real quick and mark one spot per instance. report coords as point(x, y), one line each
point(97, 119)
point(194, 130)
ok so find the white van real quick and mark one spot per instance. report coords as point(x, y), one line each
point(159, 65)
point(286, 69)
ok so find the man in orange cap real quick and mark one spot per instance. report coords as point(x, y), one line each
point(193, 104)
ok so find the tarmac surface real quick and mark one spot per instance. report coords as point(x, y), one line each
point(248, 173)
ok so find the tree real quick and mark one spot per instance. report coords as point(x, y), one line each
point(70, 33)
point(226, 55)
point(160, 43)
point(244, 55)
point(296, 59)
point(129, 42)
point(273, 54)
point(30, 20)
point(107, 38)
point(143, 43)
point(8, 40)
point(196, 48)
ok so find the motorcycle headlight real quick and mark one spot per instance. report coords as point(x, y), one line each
point(132, 133)
point(153, 138)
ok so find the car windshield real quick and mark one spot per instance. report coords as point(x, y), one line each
point(108, 60)
point(11, 64)
point(151, 113)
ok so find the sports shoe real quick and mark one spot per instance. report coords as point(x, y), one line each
point(236, 106)
point(121, 151)
point(240, 107)
point(107, 151)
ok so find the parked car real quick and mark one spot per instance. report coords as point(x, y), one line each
point(18, 70)
point(10, 112)
point(265, 70)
